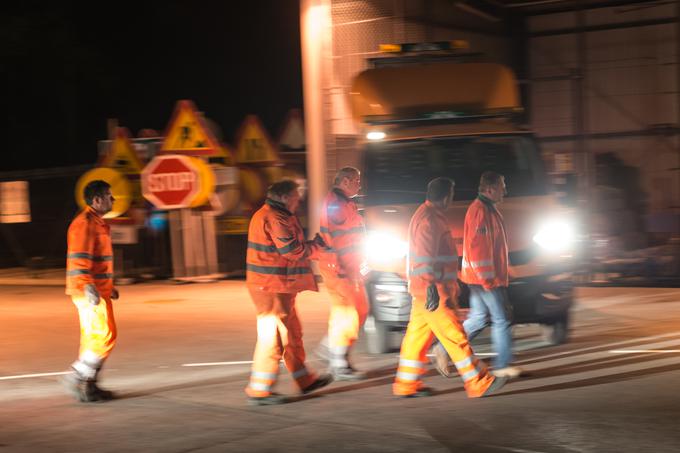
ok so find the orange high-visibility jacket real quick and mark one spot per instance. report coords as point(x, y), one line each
point(278, 256)
point(485, 245)
point(89, 257)
point(342, 228)
point(432, 256)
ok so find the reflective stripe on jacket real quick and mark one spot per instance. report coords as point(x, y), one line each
point(485, 246)
point(89, 257)
point(342, 228)
point(432, 256)
point(278, 256)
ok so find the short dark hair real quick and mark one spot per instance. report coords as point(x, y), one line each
point(489, 179)
point(281, 188)
point(96, 188)
point(439, 188)
point(345, 172)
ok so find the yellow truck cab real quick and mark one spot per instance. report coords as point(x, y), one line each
point(421, 120)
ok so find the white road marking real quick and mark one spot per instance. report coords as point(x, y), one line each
point(639, 351)
point(514, 450)
point(600, 346)
point(482, 354)
point(244, 362)
point(596, 355)
point(24, 376)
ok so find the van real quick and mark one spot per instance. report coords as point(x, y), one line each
point(425, 119)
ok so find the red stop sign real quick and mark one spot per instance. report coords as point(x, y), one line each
point(171, 181)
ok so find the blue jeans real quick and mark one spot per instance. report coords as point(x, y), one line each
point(491, 306)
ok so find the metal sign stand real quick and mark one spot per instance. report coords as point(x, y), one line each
point(193, 244)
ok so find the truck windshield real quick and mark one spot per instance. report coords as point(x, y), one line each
point(398, 172)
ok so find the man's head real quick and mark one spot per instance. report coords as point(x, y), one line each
point(440, 192)
point(348, 179)
point(492, 186)
point(287, 192)
point(98, 196)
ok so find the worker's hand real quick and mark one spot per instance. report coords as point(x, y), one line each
point(318, 240)
point(364, 269)
point(114, 294)
point(432, 302)
point(487, 285)
point(452, 304)
point(91, 294)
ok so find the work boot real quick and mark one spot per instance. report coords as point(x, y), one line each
point(440, 360)
point(95, 393)
point(348, 374)
point(269, 400)
point(322, 381)
point(74, 386)
point(496, 385)
point(510, 372)
point(420, 393)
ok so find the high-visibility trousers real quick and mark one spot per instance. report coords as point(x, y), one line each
point(279, 334)
point(423, 326)
point(349, 308)
point(97, 335)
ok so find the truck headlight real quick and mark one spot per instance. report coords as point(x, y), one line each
point(384, 247)
point(556, 236)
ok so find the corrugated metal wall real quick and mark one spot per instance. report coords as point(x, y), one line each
point(625, 61)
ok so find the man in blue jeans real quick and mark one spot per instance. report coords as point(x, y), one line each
point(485, 271)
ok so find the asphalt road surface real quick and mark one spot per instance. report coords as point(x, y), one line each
point(183, 358)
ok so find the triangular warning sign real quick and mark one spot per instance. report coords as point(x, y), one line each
point(189, 134)
point(253, 145)
point(122, 155)
point(292, 136)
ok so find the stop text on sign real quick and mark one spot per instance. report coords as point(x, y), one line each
point(172, 182)
point(176, 181)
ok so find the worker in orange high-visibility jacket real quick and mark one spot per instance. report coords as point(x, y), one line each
point(485, 270)
point(432, 280)
point(89, 282)
point(341, 266)
point(277, 268)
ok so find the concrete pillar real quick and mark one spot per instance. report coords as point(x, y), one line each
point(315, 31)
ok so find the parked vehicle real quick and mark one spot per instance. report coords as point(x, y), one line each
point(424, 119)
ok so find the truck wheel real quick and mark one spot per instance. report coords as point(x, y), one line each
point(376, 336)
point(556, 332)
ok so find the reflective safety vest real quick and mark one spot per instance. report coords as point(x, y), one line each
point(278, 257)
point(432, 255)
point(89, 257)
point(342, 228)
point(485, 245)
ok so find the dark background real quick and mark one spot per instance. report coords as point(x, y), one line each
point(66, 67)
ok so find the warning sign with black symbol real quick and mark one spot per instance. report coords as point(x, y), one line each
point(189, 134)
point(122, 155)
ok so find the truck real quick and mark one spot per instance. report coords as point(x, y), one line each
point(422, 118)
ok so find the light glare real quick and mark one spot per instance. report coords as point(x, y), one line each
point(555, 236)
point(384, 247)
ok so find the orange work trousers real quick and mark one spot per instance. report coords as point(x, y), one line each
point(97, 335)
point(349, 308)
point(423, 326)
point(279, 334)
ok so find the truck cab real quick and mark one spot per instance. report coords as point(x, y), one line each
point(426, 120)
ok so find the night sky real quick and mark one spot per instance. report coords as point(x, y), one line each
point(68, 66)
